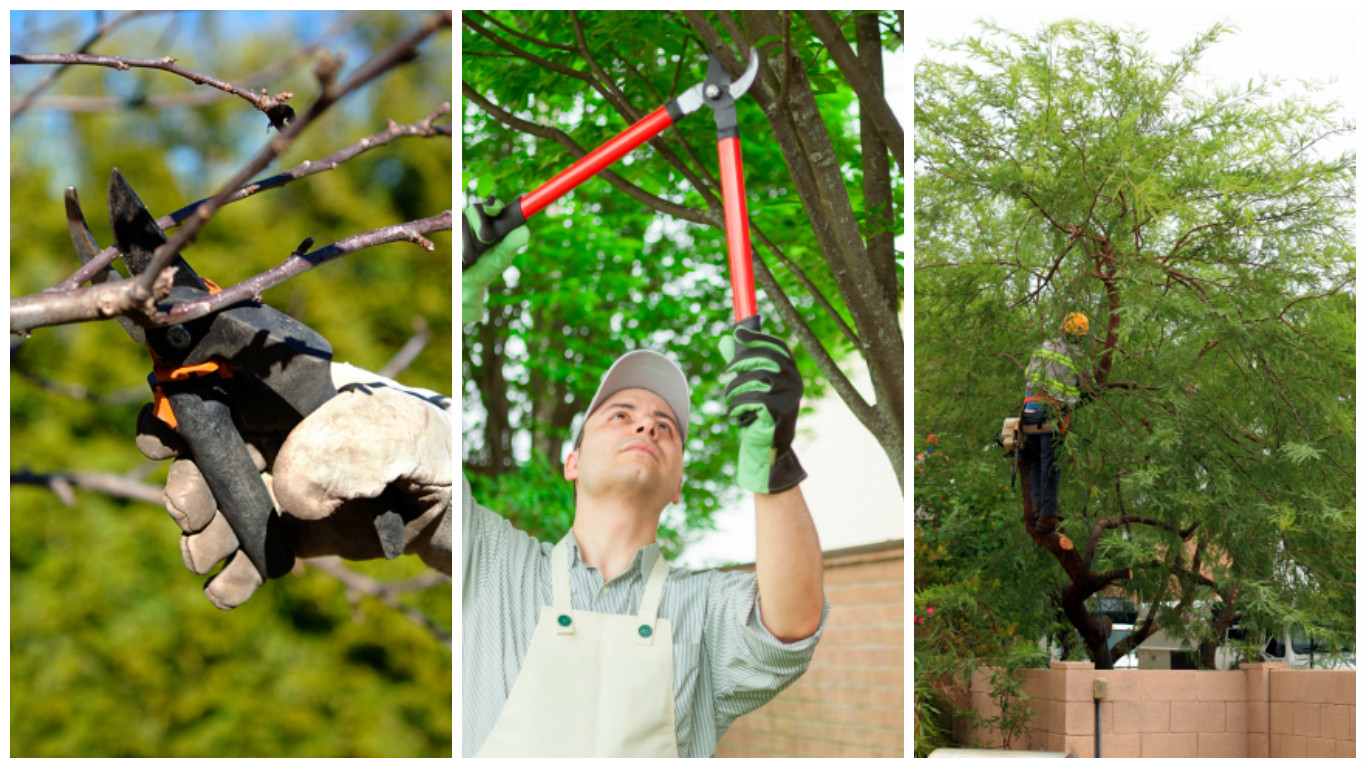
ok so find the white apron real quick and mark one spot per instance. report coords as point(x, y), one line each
point(592, 684)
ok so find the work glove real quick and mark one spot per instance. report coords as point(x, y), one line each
point(485, 254)
point(762, 401)
point(374, 447)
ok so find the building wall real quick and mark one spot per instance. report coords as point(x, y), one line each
point(1260, 710)
point(851, 701)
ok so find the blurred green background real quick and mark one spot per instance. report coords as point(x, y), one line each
point(114, 651)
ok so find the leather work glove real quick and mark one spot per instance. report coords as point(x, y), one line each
point(327, 477)
point(763, 401)
point(487, 253)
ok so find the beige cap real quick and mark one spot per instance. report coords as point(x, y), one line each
point(644, 369)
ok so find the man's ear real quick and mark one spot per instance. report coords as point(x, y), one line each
point(678, 495)
point(571, 466)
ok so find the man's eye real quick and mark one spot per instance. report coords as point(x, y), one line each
point(666, 426)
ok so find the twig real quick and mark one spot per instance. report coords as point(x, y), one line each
point(395, 54)
point(28, 99)
point(422, 128)
point(62, 483)
point(299, 262)
point(387, 593)
point(192, 98)
point(112, 299)
point(410, 350)
point(270, 105)
point(119, 486)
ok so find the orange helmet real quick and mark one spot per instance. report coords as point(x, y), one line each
point(1075, 324)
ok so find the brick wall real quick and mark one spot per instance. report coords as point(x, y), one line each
point(1260, 710)
point(851, 701)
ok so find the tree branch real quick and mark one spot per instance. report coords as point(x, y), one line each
point(422, 128)
point(28, 99)
point(870, 94)
point(395, 54)
point(388, 594)
point(261, 101)
point(121, 298)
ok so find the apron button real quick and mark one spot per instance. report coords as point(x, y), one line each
point(565, 620)
point(645, 630)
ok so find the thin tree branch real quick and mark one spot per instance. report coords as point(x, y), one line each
point(119, 298)
point(870, 96)
point(331, 92)
point(302, 261)
point(422, 128)
point(28, 99)
point(262, 101)
point(62, 484)
point(386, 593)
point(409, 351)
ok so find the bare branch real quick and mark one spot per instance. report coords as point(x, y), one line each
point(299, 262)
point(97, 302)
point(28, 99)
point(124, 297)
point(410, 350)
point(262, 101)
point(62, 483)
point(386, 593)
point(422, 128)
point(395, 54)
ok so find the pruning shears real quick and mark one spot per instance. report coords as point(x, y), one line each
point(244, 357)
point(719, 92)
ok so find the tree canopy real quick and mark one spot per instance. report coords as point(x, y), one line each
point(1209, 237)
point(605, 273)
point(114, 649)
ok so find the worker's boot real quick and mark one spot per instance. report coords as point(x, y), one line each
point(1046, 524)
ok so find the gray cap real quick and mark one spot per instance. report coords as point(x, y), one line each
point(644, 369)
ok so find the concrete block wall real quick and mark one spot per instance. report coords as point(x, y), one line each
point(1261, 710)
point(851, 701)
point(1311, 713)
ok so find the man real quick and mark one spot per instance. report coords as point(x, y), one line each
point(594, 646)
point(1052, 389)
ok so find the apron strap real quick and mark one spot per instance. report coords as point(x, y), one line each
point(559, 580)
point(649, 602)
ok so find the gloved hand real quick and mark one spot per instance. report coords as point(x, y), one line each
point(763, 401)
point(326, 476)
point(485, 254)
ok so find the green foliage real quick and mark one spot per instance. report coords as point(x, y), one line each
point(1210, 240)
point(114, 650)
point(604, 273)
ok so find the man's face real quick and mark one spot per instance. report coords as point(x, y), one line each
point(632, 440)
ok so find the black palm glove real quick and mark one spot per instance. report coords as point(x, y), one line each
point(763, 400)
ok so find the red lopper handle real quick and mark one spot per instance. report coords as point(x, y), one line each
point(645, 129)
point(737, 228)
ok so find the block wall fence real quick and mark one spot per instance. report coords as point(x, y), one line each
point(1260, 710)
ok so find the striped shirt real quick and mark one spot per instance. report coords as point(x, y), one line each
point(726, 663)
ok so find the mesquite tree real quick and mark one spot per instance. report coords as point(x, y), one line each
point(1210, 469)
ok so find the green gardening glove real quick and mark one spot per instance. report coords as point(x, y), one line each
point(489, 243)
point(763, 401)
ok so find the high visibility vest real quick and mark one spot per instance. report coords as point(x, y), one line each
point(1052, 375)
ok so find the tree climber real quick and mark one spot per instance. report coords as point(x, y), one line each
point(1052, 390)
